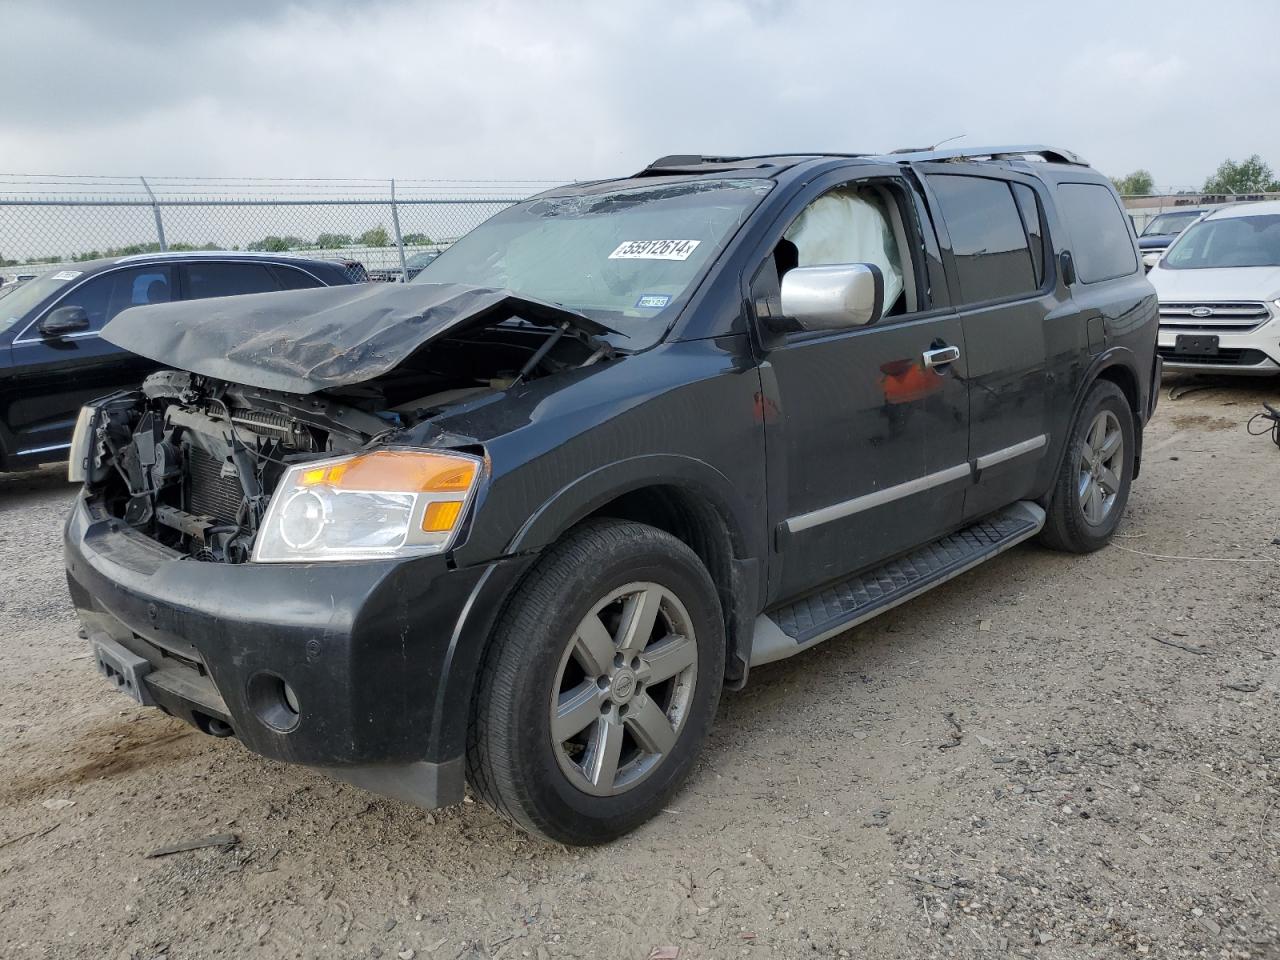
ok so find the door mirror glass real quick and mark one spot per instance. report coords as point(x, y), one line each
point(833, 297)
point(62, 321)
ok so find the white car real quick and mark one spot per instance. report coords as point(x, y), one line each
point(1219, 289)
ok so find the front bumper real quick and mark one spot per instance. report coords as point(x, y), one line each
point(380, 656)
point(1253, 352)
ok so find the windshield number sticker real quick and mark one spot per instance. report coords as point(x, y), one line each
point(654, 250)
point(653, 301)
point(67, 274)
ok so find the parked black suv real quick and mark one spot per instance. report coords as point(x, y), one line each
point(52, 359)
point(519, 521)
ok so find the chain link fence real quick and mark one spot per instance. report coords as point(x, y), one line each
point(379, 225)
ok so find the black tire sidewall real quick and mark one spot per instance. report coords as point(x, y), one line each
point(558, 806)
point(1082, 535)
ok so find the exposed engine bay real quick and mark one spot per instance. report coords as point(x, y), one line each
point(192, 461)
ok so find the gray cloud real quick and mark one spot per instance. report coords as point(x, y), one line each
point(567, 89)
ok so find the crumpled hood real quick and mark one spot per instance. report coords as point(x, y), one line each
point(305, 341)
point(1216, 285)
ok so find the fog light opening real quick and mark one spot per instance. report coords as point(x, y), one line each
point(273, 701)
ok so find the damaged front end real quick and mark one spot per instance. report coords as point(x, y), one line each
point(192, 462)
point(214, 493)
point(343, 466)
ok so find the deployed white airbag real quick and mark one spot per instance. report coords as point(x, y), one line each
point(849, 226)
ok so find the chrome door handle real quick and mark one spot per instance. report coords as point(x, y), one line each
point(941, 357)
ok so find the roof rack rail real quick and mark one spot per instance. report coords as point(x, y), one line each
point(695, 162)
point(1048, 154)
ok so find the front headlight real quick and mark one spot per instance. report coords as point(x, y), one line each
point(81, 446)
point(389, 503)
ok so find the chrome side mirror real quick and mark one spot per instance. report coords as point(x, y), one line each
point(833, 297)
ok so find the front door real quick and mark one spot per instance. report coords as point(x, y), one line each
point(868, 441)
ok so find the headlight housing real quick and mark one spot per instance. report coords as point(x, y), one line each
point(388, 503)
point(81, 446)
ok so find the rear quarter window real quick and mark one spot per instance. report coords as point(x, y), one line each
point(290, 278)
point(1100, 237)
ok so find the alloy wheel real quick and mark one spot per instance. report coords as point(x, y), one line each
point(1100, 467)
point(623, 689)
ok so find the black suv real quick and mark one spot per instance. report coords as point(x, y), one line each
point(519, 521)
point(52, 359)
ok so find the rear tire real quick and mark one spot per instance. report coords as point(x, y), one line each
point(1092, 486)
point(599, 685)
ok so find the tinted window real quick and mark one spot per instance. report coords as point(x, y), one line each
point(993, 261)
point(228, 279)
point(1031, 222)
point(292, 279)
point(106, 295)
point(1100, 237)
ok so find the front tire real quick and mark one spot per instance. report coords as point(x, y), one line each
point(1092, 487)
point(599, 685)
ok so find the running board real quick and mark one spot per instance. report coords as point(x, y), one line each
point(785, 631)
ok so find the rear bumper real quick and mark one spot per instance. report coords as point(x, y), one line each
point(380, 657)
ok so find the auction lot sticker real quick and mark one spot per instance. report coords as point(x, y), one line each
point(654, 250)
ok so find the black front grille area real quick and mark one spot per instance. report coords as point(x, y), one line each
point(209, 493)
point(1225, 357)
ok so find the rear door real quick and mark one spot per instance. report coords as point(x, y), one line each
point(53, 377)
point(992, 232)
point(868, 445)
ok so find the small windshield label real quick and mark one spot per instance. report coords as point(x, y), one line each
point(654, 250)
point(653, 301)
point(67, 274)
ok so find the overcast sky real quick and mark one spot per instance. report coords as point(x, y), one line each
point(565, 90)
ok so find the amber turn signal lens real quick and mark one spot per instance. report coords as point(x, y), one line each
point(441, 516)
point(396, 471)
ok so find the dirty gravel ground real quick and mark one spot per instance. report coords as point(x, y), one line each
point(1051, 756)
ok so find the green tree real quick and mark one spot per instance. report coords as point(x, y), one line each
point(1140, 183)
point(417, 240)
point(1248, 176)
point(274, 244)
point(377, 237)
point(332, 241)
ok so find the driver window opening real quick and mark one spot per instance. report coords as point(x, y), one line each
point(854, 223)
